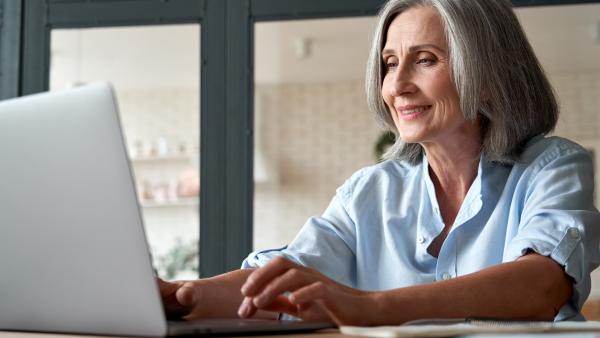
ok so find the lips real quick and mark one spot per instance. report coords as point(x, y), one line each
point(412, 111)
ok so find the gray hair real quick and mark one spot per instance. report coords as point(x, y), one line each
point(494, 69)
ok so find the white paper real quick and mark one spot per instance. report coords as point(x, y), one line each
point(443, 329)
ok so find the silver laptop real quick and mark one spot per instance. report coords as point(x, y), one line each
point(73, 253)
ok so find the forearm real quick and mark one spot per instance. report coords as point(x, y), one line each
point(220, 296)
point(532, 288)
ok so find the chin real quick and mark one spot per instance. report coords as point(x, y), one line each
point(410, 135)
point(410, 139)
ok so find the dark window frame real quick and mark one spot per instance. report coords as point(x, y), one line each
point(227, 86)
point(10, 47)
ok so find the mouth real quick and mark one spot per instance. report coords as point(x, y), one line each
point(412, 111)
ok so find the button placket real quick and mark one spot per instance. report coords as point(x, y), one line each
point(447, 259)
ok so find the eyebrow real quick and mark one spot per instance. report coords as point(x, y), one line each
point(416, 47)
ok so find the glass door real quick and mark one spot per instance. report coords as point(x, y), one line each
point(155, 73)
point(312, 125)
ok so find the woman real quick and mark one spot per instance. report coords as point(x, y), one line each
point(474, 214)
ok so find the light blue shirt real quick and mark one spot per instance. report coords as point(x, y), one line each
point(375, 233)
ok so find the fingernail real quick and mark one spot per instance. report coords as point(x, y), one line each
point(243, 310)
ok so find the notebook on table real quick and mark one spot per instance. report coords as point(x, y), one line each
point(473, 327)
point(73, 253)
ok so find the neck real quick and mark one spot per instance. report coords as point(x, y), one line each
point(453, 165)
point(453, 171)
point(452, 174)
point(454, 162)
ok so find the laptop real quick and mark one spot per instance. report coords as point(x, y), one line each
point(73, 253)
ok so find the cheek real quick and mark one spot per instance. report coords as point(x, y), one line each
point(389, 101)
point(385, 92)
point(387, 96)
point(443, 88)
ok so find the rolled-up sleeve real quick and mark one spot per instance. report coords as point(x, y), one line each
point(326, 243)
point(558, 220)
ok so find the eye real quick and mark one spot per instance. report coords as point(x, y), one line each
point(426, 61)
point(391, 65)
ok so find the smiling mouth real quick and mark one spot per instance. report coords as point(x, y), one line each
point(407, 111)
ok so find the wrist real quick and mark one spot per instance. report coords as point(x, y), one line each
point(375, 302)
point(388, 308)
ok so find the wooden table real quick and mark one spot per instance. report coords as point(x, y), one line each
point(329, 333)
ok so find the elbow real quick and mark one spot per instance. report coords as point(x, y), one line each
point(553, 287)
point(557, 296)
point(555, 293)
point(550, 307)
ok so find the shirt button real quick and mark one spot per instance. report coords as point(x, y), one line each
point(446, 276)
point(574, 233)
point(421, 239)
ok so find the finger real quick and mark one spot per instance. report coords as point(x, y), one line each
point(338, 307)
point(173, 308)
point(282, 304)
point(309, 293)
point(247, 309)
point(178, 298)
point(262, 276)
point(290, 280)
point(315, 312)
point(166, 288)
point(187, 295)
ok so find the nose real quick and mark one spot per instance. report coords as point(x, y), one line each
point(401, 81)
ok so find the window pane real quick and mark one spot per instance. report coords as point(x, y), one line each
point(155, 72)
point(566, 39)
point(312, 125)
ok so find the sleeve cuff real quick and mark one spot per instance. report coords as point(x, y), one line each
point(259, 258)
point(569, 253)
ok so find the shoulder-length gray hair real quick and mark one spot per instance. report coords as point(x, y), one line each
point(494, 69)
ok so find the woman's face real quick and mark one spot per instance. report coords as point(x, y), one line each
point(417, 87)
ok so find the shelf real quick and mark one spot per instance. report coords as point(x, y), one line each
point(180, 203)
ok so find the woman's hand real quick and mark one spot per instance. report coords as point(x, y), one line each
point(312, 296)
point(216, 297)
point(180, 298)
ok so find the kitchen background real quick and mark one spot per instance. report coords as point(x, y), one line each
point(312, 126)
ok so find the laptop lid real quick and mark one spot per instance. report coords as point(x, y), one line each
point(73, 254)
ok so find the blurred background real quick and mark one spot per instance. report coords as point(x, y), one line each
point(298, 127)
point(312, 128)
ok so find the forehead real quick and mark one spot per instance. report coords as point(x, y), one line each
point(416, 25)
